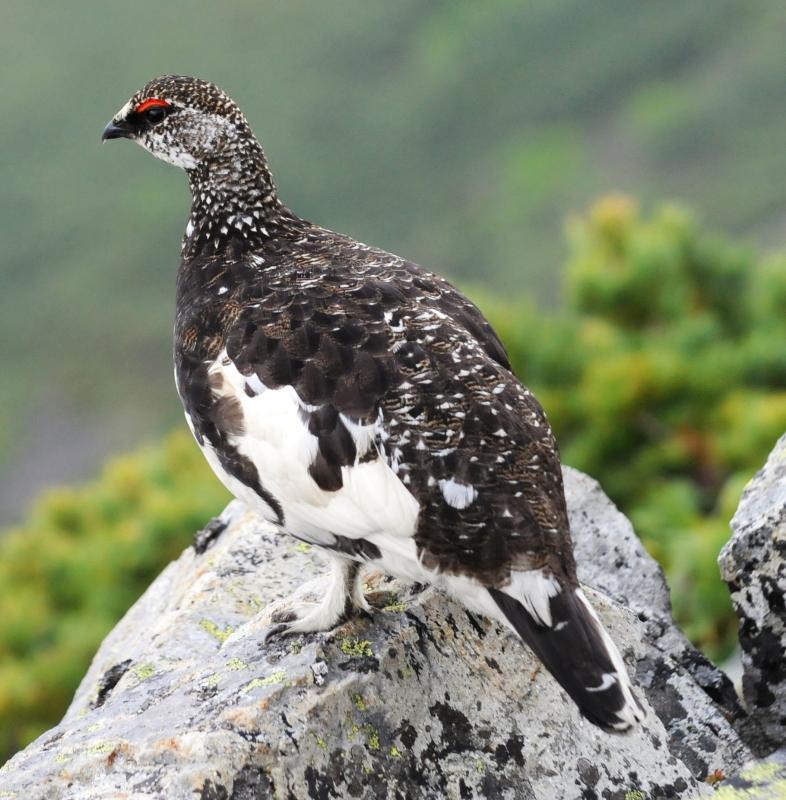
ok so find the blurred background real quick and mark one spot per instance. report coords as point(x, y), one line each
point(607, 180)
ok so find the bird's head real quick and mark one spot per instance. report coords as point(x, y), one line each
point(181, 120)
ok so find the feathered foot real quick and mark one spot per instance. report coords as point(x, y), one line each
point(344, 597)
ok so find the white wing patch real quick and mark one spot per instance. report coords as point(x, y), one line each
point(372, 500)
point(534, 590)
point(458, 495)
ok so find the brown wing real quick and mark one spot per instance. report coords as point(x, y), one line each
point(369, 340)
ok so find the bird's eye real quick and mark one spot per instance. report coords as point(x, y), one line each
point(155, 114)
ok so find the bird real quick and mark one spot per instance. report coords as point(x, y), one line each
point(365, 406)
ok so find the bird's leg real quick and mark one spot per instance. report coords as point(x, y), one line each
point(344, 595)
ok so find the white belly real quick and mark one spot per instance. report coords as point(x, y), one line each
point(372, 503)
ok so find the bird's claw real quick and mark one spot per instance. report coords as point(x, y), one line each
point(206, 537)
point(274, 631)
point(284, 621)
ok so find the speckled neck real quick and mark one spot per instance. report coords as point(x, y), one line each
point(234, 203)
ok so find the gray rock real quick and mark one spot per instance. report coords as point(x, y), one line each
point(612, 559)
point(753, 564)
point(424, 701)
point(609, 555)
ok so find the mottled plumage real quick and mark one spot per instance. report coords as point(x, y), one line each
point(364, 405)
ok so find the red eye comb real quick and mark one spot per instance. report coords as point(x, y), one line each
point(153, 102)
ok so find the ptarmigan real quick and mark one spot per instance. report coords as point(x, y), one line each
point(364, 405)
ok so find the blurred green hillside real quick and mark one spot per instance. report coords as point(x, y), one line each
point(454, 132)
point(664, 375)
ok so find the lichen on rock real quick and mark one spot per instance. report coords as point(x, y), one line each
point(753, 564)
point(425, 700)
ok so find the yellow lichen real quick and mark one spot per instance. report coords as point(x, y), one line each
point(356, 648)
point(762, 792)
point(302, 547)
point(360, 703)
point(396, 607)
point(144, 671)
point(759, 773)
point(257, 603)
point(210, 627)
point(100, 747)
point(236, 664)
point(768, 780)
point(395, 752)
point(275, 677)
point(371, 734)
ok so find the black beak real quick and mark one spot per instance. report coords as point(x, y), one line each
point(117, 130)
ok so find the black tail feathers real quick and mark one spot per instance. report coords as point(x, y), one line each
point(577, 651)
